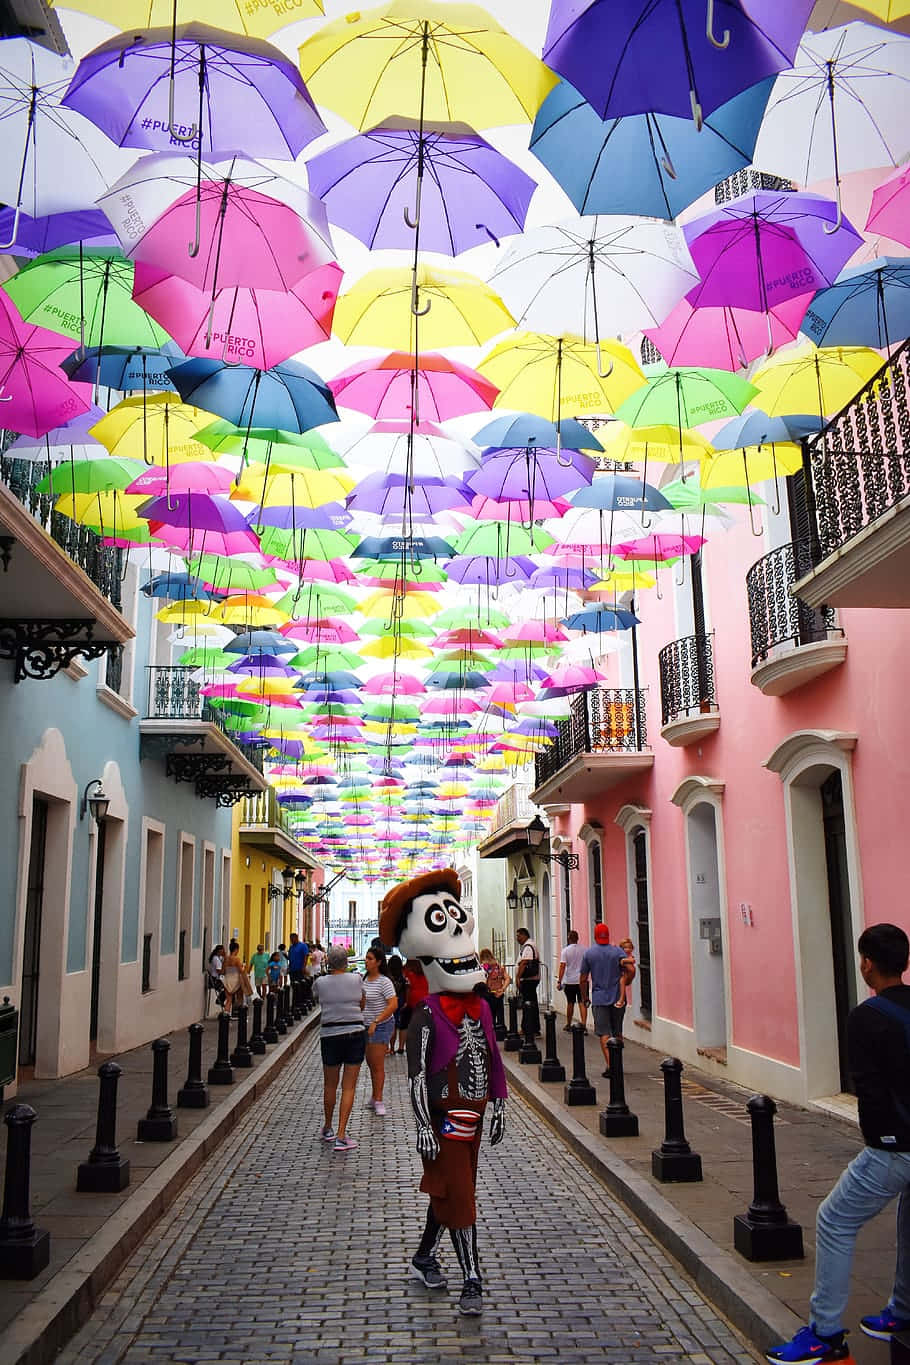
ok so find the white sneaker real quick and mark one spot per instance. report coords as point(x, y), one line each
point(379, 1109)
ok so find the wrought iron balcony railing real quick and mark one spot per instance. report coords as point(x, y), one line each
point(686, 677)
point(174, 695)
point(103, 564)
point(776, 617)
point(601, 720)
point(860, 464)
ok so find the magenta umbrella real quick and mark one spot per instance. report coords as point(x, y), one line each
point(393, 684)
point(193, 476)
point(726, 338)
point(35, 394)
point(434, 387)
point(889, 212)
point(659, 548)
point(260, 327)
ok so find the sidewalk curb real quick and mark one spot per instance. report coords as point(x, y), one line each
point(723, 1280)
point(55, 1314)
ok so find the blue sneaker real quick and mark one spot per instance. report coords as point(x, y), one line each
point(884, 1325)
point(807, 1346)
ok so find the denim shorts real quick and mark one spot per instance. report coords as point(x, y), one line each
point(344, 1049)
point(383, 1033)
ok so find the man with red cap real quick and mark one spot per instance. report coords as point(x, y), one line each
point(454, 1068)
point(603, 965)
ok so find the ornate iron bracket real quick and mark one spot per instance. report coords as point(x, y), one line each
point(40, 649)
point(563, 857)
point(190, 767)
point(227, 790)
point(162, 746)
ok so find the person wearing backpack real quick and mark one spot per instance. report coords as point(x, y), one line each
point(527, 976)
point(878, 1045)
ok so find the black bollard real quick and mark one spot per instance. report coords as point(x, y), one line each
point(106, 1171)
point(160, 1123)
point(194, 1094)
point(552, 1068)
point(270, 1032)
point(222, 1073)
point(617, 1120)
point(579, 1090)
point(257, 1042)
point(674, 1159)
point(242, 1056)
point(529, 1051)
point(297, 1010)
point(280, 1021)
point(764, 1232)
point(289, 1017)
point(513, 1037)
point(24, 1249)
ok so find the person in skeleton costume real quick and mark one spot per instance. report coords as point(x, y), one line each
point(454, 1067)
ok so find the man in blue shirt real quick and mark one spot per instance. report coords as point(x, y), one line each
point(603, 965)
point(297, 955)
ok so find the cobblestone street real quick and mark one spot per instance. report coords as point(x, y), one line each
point(280, 1250)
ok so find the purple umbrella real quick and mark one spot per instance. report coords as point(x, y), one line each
point(463, 190)
point(34, 236)
point(766, 248)
point(489, 572)
point(391, 494)
point(670, 56)
point(563, 576)
point(198, 511)
point(523, 475)
point(330, 516)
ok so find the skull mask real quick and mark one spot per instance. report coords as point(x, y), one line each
point(440, 932)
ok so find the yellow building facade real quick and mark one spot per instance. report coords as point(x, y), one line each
point(273, 875)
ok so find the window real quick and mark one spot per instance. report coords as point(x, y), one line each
point(642, 917)
point(595, 880)
point(186, 876)
point(151, 881)
point(352, 912)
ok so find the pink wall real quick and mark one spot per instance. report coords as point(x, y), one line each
point(866, 695)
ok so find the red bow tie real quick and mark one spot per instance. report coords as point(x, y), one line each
point(455, 1007)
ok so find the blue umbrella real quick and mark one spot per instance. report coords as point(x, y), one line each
point(620, 493)
point(261, 642)
point(654, 164)
point(758, 429)
point(289, 396)
point(394, 547)
point(122, 367)
point(601, 618)
point(179, 587)
point(867, 305)
point(447, 680)
point(526, 429)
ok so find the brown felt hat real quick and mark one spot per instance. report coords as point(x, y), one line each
point(393, 905)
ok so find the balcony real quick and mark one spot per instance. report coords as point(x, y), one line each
point(60, 585)
point(688, 701)
point(512, 814)
point(265, 826)
point(792, 642)
point(860, 473)
point(600, 743)
point(181, 728)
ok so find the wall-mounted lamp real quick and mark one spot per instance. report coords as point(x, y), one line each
point(512, 899)
point(299, 882)
point(536, 833)
point(528, 899)
point(98, 803)
point(286, 890)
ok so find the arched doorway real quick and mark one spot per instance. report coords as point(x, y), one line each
point(700, 799)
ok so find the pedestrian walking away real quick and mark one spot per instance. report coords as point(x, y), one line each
point(498, 982)
point(568, 979)
point(380, 1001)
point(878, 1049)
point(603, 965)
point(402, 1014)
point(342, 1038)
point(527, 977)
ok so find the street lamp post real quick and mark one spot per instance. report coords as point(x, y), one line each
point(537, 832)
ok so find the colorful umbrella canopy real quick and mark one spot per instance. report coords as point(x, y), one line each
point(686, 397)
point(399, 383)
point(725, 338)
point(868, 305)
point(235, 15)
point(35, 396)
point(86, 294)
point(379, 310)
point(290, 396)
point(818, 382)
point(559, 376)
point(157, 428)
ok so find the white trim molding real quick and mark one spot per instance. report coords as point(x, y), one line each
point(629, 816)
point(693, 789)
point(802, 744)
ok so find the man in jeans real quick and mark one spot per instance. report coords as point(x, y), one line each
point(878, 1042)
point(527, 978)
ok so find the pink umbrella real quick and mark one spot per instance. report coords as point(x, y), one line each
point(195, 476)
point(260, 327)
point(488, 509)
point(659, 547)
point(573, 677)
point(509, 693)
point(329, 631)
point(193, 540)
point(35, 394)
point(434, 386)
point(725, 338)
point(393, 684)
point(450, 706)
point(888, 212)
point(540, 632)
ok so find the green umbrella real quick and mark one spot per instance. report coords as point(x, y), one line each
point(486, 619)
point(376, 625)
point(307, 598)
point(204, 656)
point(430, 572)
point(329, 660)
point(686, 397)
point(265, 445)
point(92, 476)
point(689, 496)
point(86, 294)
point(230, 575)
point(305, 544)
point(498, 539)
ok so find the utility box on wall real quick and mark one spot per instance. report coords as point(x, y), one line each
point(709, 928)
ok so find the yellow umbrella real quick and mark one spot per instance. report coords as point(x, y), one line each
point(378, 309)
point(889, 11)
point(301, 488)
point(387, 646)
point(623, 580)
point(414, 605)
point(557, 377)
point(236, 16)
point(110, 514)
point(666, 444)
point(249, 609)
point(267, 687)
point(444, 62)
point(381, 727)
point(810, 379)
point(155, 427)
point(184, 612)
point(739, 468)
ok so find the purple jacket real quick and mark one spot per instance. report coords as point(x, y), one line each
point(445, 1045)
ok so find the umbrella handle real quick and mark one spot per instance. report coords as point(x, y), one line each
point(602, 373)
point(722, 43)
point(183, 139)
point(668, 166)
point(6, 397)
point(415, 301)
point(830, 228)
point(12, 240)
point(193, 247)
point(697, 116)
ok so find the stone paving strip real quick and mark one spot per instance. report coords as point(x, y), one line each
point(280, 1250)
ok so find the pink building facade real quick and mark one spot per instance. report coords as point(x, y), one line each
point(748, 841)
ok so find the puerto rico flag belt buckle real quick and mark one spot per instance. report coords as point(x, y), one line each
point(460, 1124)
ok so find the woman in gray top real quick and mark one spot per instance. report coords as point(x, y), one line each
point(343, 1040)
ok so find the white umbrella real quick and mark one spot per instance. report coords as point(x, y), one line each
point(51, 158)
point(841, 107)
point(385, 447)
point(596, 275)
